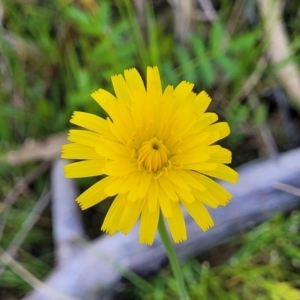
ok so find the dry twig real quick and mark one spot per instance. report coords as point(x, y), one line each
point(183, 11)
point(18, 189)
point(27, 226)
point(266, 139)
point(32, 150)
point(9, 261)
point(278, 47)
point(140, 10)
point(208, 10)
point(287, 188)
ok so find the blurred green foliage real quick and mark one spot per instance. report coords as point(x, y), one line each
point(54, 54)
point(65, 52)
point(265, 266)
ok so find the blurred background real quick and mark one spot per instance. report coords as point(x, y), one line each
point(54, 54)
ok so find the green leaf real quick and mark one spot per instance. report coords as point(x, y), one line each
point(186, 64)
point(243, 42)
point(203, 61)
point(216, 41)
point(228, 65)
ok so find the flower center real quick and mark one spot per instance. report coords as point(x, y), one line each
point(153, 155)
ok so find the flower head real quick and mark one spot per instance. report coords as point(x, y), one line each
point(156, 150)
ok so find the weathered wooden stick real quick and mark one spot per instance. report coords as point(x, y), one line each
point(67, 225)
point(258, 196)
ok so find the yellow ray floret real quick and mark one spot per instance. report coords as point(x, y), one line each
point(156, 154)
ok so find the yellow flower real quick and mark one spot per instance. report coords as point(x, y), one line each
point(156, 151)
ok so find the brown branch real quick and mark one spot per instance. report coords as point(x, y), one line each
point(32, 150)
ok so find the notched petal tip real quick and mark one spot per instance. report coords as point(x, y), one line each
point(204, 94)
point(108, 231)
point(153, 74)
point(94, 94)
point(66, 171)
point(208, 226)
point(79, 204)
point(145, 242)
point(152, 68)
point(115, 76)
point(236, 179)
point(180, 240)
point(183, 90)
point(131, 70)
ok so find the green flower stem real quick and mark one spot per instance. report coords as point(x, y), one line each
point(173, 259)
